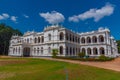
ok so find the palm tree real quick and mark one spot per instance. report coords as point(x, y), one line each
point(54, 52)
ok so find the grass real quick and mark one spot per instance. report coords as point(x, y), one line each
point(38, 69)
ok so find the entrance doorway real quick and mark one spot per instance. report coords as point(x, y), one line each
point(26, 52)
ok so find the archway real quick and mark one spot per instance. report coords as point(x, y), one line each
point(82, 40)
point(83, 50)
point(88, 40)
point(102, 51)
point(61, 50)
point(89, 51)
point(94, 39)
point(101, 38)
point(61, 36)
point(26, 52)
point(95, 51)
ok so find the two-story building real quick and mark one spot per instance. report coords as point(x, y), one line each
point(67, 42)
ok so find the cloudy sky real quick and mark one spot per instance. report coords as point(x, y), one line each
point(77, 15)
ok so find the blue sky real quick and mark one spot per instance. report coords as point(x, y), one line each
point(78, 15)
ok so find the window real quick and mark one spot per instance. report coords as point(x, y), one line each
point(38, 39)
point(89, 51)
point(27, 40)
point(101, 38)
point(13, 50)
point(61, 50)
point(66, 36)
point(95, 51)
point(61, 36)
point(94, 39)
point(42, 39)
point(41, 50)
point(34, 50)
point(19, 50)
point(49, 36)
point(49, 50)
point(88, 40)
point(83, 50)
point(66, 50)
point(38, 50)
point(35, 40)
point(83, 40)
point(102, 51)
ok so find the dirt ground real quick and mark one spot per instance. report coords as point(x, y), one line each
point(5, 61)
point(112, 65)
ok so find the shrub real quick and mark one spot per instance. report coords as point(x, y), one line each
point(54, 52)
point(104, 58)
point(81, 55)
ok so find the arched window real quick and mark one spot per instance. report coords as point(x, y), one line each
point(76, 51)
point(30, 40)
point(79, 50)
point(70, 37)
point(42, 39)
point(38, 39)
point(35, 40)
point(16, 49)
point(19, 50)
point(27, 40)
point(83, 50)
point(41, 50)
point(13, 50)
point(49, 37)
point(49, 50)
point(83, 40)
point(76, 39)
point(101, 38)
point(66, 50)
point(89, 51)
point(66, 36)
point(88, 40)
point(38, 50)
point(102, 51)
point(73, 38)
point(70, 51)
point(61, 50)
point(61, 36)
point(94, 39)
point(34, 50)
point(95, 51)
point(73, 51)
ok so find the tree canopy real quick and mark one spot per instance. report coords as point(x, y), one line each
point(6, 33)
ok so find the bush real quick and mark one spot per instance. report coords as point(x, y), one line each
point(104, 58)
point(81, 55)
point(54, 52)
point(101, 58)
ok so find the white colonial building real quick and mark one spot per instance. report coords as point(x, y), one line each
point(68, 43)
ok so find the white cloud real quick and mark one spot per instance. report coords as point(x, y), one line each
point(14, 18)
point(26, 16)
point(4, 16)
point(96, 14)
point(53, 17)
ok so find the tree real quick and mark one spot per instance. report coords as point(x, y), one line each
point(6, 33)
point(54, 52)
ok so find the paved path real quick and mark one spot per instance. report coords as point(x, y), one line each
point(112, 65)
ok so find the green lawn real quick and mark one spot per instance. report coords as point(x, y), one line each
point(38, 69)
